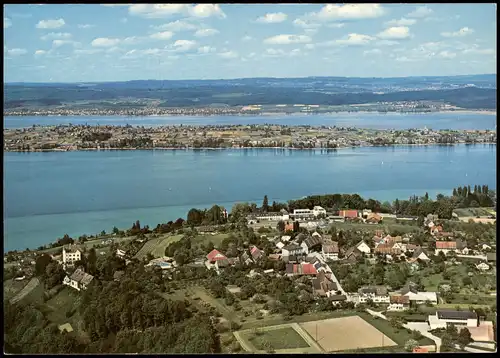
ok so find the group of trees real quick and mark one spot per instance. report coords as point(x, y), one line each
point(480, 195)
point(214, 216)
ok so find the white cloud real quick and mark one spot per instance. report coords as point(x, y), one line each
point(387, 43)
point(337, 25)
point(17, 51)
point(310, 46)
point(401, 22)
point(6, 23)
point(155, 11)
point(87, 51)
point(374, 51)
point(305, 24)
point(287, 39)
point(40, 52)
point(355, 40)
point(228, 54)
point(295, 52)
point(105, 42)
point(56, 35)
point(132, 40)
point(206, 32)
point(50, 24)
point(85, 26)
point(447, 54)
point(59, 43)
point(165, 35)
point(395, 33)
point(348, 12)
point(420, 12)
point(206, 49)
point(183, 45)
point(478, 51)
point(177, 26)
point(464, 31)
point(405, 59)
point(272, 18)
point(271, 52)
point(246, 38)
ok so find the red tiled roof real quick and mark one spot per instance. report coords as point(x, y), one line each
point(348, 213)
point(446, 245)
point(215, 255)
point(420, 350)
point(400, 299)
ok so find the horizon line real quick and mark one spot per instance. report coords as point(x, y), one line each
point(246, 78)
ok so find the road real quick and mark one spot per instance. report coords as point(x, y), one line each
point(423, 328)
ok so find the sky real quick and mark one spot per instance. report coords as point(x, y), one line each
point(90, 43)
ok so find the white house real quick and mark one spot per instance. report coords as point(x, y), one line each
point(302, 213)
point(398, 303)
point(292, 250)
point(286, 238)
point(483, 266)
point(318, 210)
point(443, 318)
point(280, 245)
point(363, 247)
point(79, 280)
point(120, 253)
point(70, 256)
point(417, 297)
point(377, 294)
point(330, 250)
point(420, 254)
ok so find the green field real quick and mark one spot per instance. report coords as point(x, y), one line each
point(398, 335)
point(281, 338)
point(468, 212)
point(162, 244)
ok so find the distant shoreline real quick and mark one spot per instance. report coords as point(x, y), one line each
point(256, 114)
point(244, 148)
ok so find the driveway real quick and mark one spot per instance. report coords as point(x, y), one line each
point(423, 328)
point(376, 314)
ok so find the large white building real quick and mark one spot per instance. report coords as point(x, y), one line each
point(443, 318)
point(70, 256)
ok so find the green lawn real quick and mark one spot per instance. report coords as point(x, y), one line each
point(281, 338)
point(400, 336)
point(215, 239)
point(159, 249)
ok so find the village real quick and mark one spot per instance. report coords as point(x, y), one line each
point(302, 246)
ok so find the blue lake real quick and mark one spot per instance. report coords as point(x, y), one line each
point(366, 120)
point(49, 194)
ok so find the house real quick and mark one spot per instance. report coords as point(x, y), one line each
point(363, 247)
point(286, 238)
point(348, 214)
point(373, 218)
point(323, 286)
point(280, 245)
point(79, 280)
point(352, 255)
point(377, 294)
point(387, 249)
point(420, 254)
point(221, 263)
point(274, 257)
point(65, 328)
point(245, 258)
point(256, 253)
point(443, 318)
point(417, 297)
point(300, 269)
point(398, 303)
point(462, 247)
point(215, 256)
point(70, 256)
point(120, 253)
point(292, 249)
point(318, 210)
point(420, 350)
point(313, 243)
point(483, 266)
point(302, 214)
point(485, 247)
point(337, 299)
point(445, 247)
point(330, 250)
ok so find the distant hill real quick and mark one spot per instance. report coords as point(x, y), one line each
point(473, 91)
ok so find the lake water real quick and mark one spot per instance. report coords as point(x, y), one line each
point(365, 120)
point(50, 194)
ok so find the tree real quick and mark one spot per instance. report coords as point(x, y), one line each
point(265, 204)
point(41, 264)
point(92, 261)
point(281, 226)
point(464, 337)
point(410, 345)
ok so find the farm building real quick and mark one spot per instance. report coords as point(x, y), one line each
point(79, 280)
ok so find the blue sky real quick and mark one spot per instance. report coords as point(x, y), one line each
point(78, 43)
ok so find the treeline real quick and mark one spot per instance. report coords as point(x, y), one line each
point(479, 196)
point(96, 136)
point(213, 216)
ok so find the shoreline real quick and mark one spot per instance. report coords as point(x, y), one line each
point(264, 114)
point(244, 148)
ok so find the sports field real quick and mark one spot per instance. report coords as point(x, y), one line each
point(346, 333)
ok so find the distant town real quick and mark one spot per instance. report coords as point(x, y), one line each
point(86, 137)
point(145, 107)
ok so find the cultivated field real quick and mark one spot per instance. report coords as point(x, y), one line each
point(147, 248)
point(159, 249)
point(474, 212)
point(339, 334)
point(34, 289)
point(285, 338)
